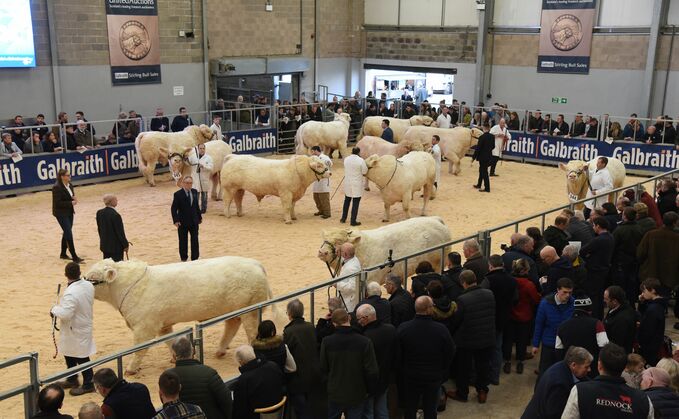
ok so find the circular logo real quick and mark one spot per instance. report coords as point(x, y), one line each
point(566, 32)
point(134, 40)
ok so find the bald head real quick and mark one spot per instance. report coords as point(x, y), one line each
point(348, 251)
point(423, 305)
point(366, 314)
point(548, 254)
point(90, 410)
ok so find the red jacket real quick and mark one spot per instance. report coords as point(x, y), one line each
point(529, 297)
point(653, 211)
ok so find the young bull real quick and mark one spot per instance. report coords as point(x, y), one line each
point(180, 166)
point(455, 142)
point(372, 125)
point(370, 145)
point(330, 136)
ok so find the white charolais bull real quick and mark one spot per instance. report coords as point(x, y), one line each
point(399, 179)
point(403, 238)
point(372, 125)
point(577, 177)
point(287, 179)
point(155, 147)
point(330, 136)
point(180, 166)
point(153, 298)
point(370, 145)
point(455, 142)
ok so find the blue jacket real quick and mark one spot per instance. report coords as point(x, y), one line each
point(549, 318)
point(388, 135)
point(551, 393)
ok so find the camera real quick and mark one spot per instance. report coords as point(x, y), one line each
point(504, 247)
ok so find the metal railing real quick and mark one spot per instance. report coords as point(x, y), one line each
point(30, 390)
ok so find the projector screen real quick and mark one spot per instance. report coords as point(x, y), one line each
point(16, 33)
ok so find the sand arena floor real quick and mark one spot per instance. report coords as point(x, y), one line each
point(32, 269)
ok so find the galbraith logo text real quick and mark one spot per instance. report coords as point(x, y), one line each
point(260, 144)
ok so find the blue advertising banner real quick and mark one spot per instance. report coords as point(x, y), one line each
point(634, 155)
point(253, 141)
point(41, 169)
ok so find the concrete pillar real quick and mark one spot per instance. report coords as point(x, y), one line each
point(485, 17)
point(659, 16)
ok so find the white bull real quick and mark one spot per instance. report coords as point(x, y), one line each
point(329, 136)
point(287, 179)
point(180, 167)
point(402, 238)
point(455, 142)
point(152, 299)
point(372, 125)
point(370, 145)
point(577, 177)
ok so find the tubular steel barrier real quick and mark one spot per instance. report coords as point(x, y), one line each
point(30, 391)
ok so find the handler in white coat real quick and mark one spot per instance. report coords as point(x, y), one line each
point(600, 183)
point(502, 135)
point(347, 287)
point(321, 188)
point(354, 170)
point(74, 312)
point(201, 172)
point(436, 152)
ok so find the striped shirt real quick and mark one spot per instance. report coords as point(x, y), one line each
point(180, 410)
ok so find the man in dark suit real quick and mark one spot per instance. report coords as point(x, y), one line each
point(186, 217)
point(598, 254)
point(483, 155)
point(112, 240)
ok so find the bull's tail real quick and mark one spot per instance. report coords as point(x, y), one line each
point(137, 144)
point(299, 141)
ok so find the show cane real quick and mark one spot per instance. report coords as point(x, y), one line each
point(54, 325)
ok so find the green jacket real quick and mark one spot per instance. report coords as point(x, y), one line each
point(300, 336)
point(202, 386)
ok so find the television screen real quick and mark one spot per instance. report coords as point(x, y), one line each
point(16, 33)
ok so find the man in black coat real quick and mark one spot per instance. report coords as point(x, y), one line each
point(621, 319)
point(503, 287)
point(181, 121)
point(474, 325)
point(186, 217)
point(374, 298)
point(122, 399)
point(400, 301)
point(580, 230)
point(385, 345)
point(451, 277)
point(625, 268)
point(483, 154)
point(551, 392)
point(559, 267)
point(261, 384)
point(597, 255)
point(50, 400)
point(112, 240)
point(426, 350)
point(521, 248)
point(556, 235)
point(474, 259)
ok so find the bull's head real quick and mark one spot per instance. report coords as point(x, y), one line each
point(101, 275)
point(421, 120)
point(333, 239)
point(206, 133)
point(321, 171)
point(576, 177)
point(476, 134)
point(343, 117)
point(372, 161)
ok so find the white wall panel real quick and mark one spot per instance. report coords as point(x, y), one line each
point(673, 14)
point(517, 12)
point(626, 12)
point(461, 13)
point(381, 12)
point(421, 12)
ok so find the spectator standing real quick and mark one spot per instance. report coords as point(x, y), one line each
point(621, 319)
point(354, 171)
point(502, 136)
point(667, 196)
point(63, 201)
point(444, 120)
point(578, 271)
point(554, 309)
point(186, 217)
point(655, 382)
point(321, 187)
point(200, 385)
point(112, 240)
point(123, 399)
point(484, 155)
point(627, 237)
point(607, 396)
point(451, 277)
point(424, 273)
point(169, 386)
point(559, 267)
point(34, 146)
point(261, 384)
point(475, 261)
point(270, 347)
point(597, 255)
point(400, 301)
point(348, 361)
point(387, 133)
point(579, 229)
point(160, 121)
point(474, 326)
point(521, 248)
point(181, 121)
point(262, 119)
point(374, 298)
point(324, 326)
point(385, 344)
point(556, 235)
point(672, 368)
point(426, 349)
point(651, 332)
point(216, 126)
point(202, 167)
point(553, 389)
point(50, 400)
point(503, 287)
point(444, 309)
point(8, 148)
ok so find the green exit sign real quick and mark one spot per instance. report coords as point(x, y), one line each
point(557, 99)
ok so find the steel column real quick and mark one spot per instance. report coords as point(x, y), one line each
point(659, 7)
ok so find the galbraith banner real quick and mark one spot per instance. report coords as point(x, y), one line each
point(133, 41)
point(253, 142)
point(634, 155)
point(566, 36)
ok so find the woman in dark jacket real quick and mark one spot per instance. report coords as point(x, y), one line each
point(270, 347)
point(443, 309)
point(63, 200)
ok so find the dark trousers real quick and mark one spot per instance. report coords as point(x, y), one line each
point(516, 333)
point(354, 202)
point(483, 175)
point(481, 360)
point(548, 357)
point(183, 233)
point(87, 374)
point(203, 202)
point(493, 164)
point(625, 276)
point(117, 256)
point(421, 395)
point(594, 286)
point(66, 224)
point(300, 405)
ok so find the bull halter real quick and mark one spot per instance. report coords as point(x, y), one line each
point(335, 257)
point(318, 175)
point(397, 162)
point(126, 292)
point(578, 173)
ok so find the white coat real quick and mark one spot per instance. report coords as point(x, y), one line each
point(75, 315)
point(443, 121)
point(500, 134)
point(354, 169)
point(323, 185)
point(348, 286)
point(217, 129)
point(201, 180)
point(600, 182)
point(436, 152)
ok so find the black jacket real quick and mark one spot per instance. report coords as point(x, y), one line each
point(271, 349)
point(385, 344)
point(621, 326)
point(652, 329)
point(598, 253)
point(426, 350)
point(160, 121)
point(484, 148)
point(667, 201)
point(324, 328)
point(580, 231)
point(477, 264)
point(202, 386)
point(50, 415)
point(300, 337)
point(551, 393)
point(443, 312)
point(180, 122)
point(665, 402)
point(111, 231)
point(128, 400)
point(474, 321)
point(183, 212)
point(627, 238)
point(382, 307)
point(561, 268)
point(556, 238)
point(451, 282)
point(512, 254)
point(62, 202)
point(348, 361)
point(260, 385)
point(402, 307)
point(581, 330)
point(607, 388)
point(503, 287)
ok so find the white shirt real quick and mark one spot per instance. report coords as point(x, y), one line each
point(217, 129)
point(436, 152)
point(443, 121)
point(323, 185)
point(600, 182)
point(347, 287)
point(499, 134)
point(201, 180)
point(75, 315)
point(572, 409)
point(354, 169)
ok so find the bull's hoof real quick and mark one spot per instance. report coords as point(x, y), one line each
point(366, 189)
point(131, 372)
point(385, 221)
point(294, 218)
point(220, 353)
point(288, 221)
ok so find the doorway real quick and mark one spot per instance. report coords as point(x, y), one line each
point(421, 86)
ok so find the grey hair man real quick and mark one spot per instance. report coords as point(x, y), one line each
point(324, 326)
point(261, 383)
point(475, 261)
point(374, 298)
point(112, 240)
point(521, 248)
point(400, 301)
point(90, 410)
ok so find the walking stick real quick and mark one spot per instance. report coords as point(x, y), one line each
point(54, 326)
point(338, 185)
